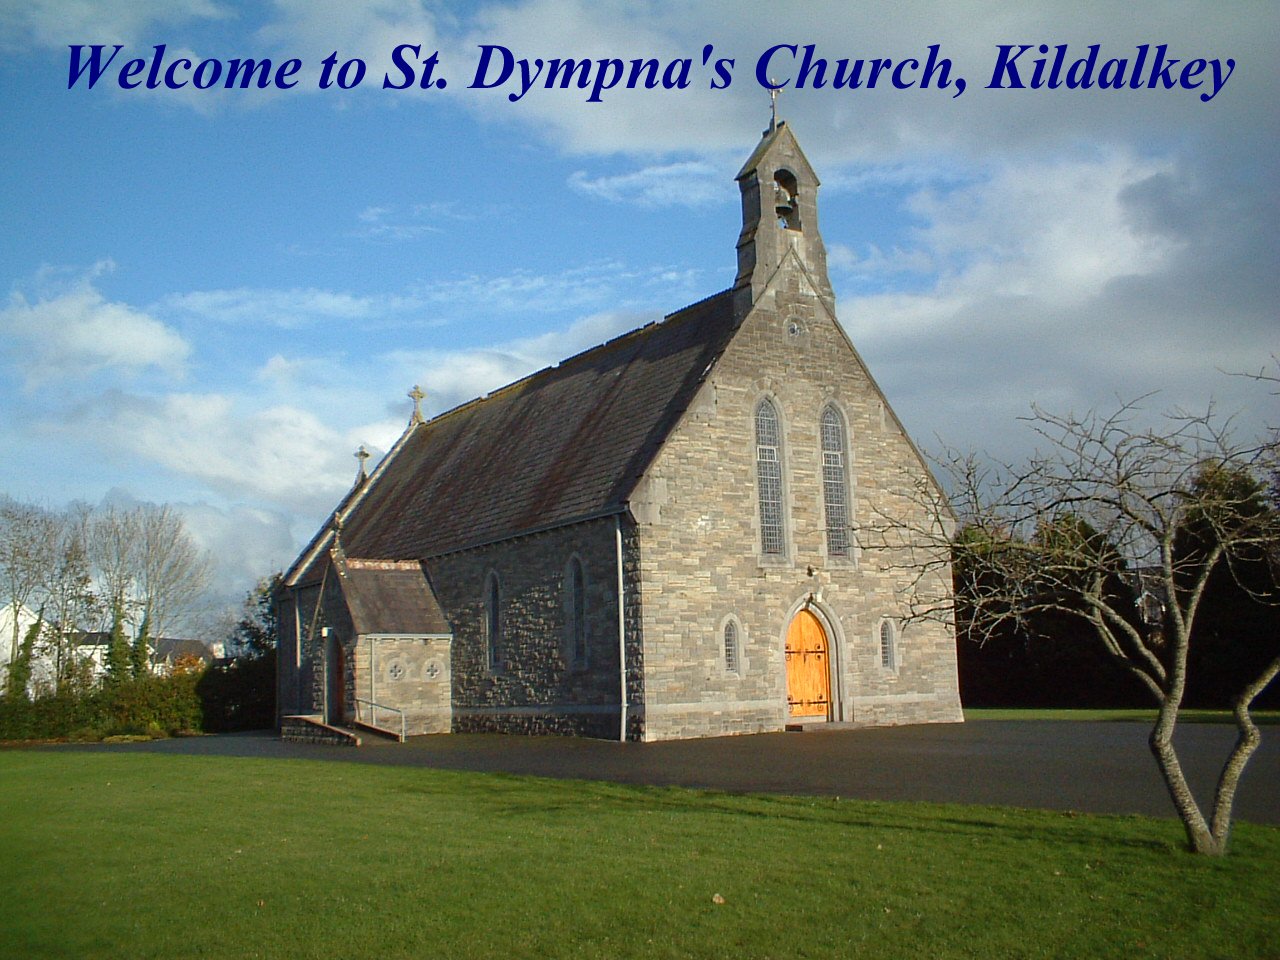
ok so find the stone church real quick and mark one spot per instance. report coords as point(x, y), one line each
point(654, 539)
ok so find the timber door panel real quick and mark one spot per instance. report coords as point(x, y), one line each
point(808, 670)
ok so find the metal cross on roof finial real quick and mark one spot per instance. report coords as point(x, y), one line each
point(361, 455)
point(773, 104)
point(416, 395)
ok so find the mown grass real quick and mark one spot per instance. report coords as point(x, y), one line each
point(1260, 717)
point(129, 855)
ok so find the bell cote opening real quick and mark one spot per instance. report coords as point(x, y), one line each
point(785, 200)
point(779, 218)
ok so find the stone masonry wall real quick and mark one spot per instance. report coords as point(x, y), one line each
point(303, 673)
point(537, 687)
point(701, 560)
point(412, 674)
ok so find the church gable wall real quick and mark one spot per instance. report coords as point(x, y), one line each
point(702, 558)
point(538, 684)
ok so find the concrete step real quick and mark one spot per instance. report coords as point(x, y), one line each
point(380, 732)
point(313, 729)
point(822, 726)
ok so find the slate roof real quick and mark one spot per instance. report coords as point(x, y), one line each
point(390, 597)
point(565, 444)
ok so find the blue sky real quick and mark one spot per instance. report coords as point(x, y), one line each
point(212, 298)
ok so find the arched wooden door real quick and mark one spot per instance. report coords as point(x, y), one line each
point(808, 668)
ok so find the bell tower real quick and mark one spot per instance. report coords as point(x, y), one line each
point(779, 217)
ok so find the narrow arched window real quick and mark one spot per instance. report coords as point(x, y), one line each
point(835, 484)
point(576, 611)
point(769, 478)
point(888, 646)
point(731, 647)
point(493, 621)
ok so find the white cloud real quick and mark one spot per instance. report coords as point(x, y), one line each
point(452, 377)
point(277, 454)
point(438, 301)
point(408, 221)
point(55, 23)
point(288, 309)
point(879, 264)
point(368, 30)
point(1067, 283)
point(576, 289)
point(71, 331)
point(1058, 230)
point(246, 542)
point(690, 183)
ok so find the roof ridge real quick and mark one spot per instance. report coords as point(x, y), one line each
point(573, 358)
point(557, 446)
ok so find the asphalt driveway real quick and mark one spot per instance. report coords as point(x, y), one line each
point(1093, 767)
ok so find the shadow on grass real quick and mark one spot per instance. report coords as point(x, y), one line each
point(521, 797)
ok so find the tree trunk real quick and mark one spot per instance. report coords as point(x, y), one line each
point(1200, 839)
point(1247, 742)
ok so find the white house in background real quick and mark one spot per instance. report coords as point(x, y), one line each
point(91, 648)
point(41, 670)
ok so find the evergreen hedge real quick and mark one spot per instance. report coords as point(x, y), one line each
point(147, 705)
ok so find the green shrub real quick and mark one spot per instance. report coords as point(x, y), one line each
point(240, 695)
point(147, 705)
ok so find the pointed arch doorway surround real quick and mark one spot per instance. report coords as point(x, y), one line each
point(808, 654)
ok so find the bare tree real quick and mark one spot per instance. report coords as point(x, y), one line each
point(81, 566)
point(1066, 536)
point(172, 573)
point(27, 551)
point(72, 605)
point(115, 554)
point(147, 564)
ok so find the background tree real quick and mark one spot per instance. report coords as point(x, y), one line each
point(140, 651)
point(71, 601)
point(27, 553)
point(1238, 628)
point(240, 693)
point(117, 646)
point(20, 669)
point(1042, 659)
point(1054, 540)
point(114, 547)
point(171, 574)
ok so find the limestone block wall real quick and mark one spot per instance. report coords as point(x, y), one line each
point(701, 560)
point(537, 686)
point(412, 674)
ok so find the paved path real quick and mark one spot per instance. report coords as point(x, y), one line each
point(1057, 765)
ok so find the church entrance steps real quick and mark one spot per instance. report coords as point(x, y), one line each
point(382, 733)
point(312, 729)
point(822, 726)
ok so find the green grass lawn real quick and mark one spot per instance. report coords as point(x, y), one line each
point(132, 855)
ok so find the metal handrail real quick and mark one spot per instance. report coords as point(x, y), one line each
point(373, 714)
